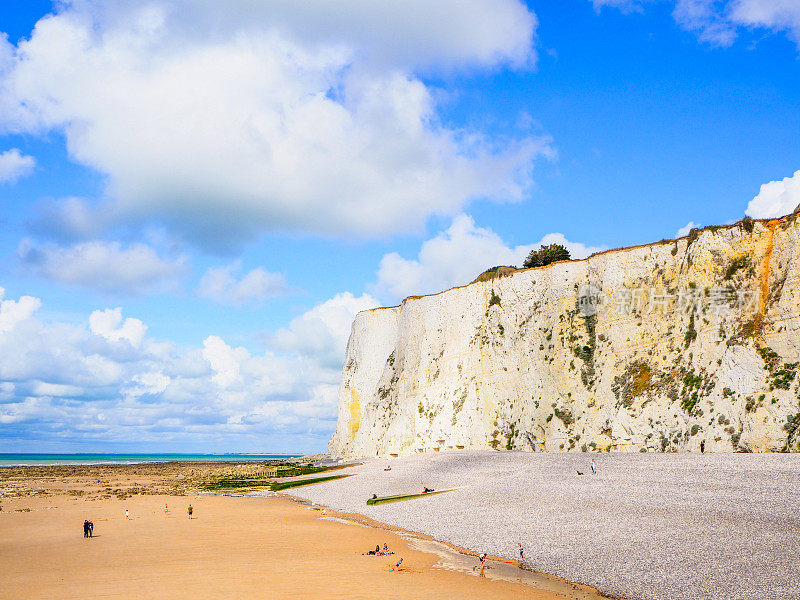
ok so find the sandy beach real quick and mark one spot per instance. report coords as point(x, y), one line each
point(233, 547)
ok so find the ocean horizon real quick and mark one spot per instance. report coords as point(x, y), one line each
point(31, 459)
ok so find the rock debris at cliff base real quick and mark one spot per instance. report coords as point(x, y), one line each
point(650, 526)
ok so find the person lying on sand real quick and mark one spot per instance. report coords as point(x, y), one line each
point(388, 469)
point(427, 490)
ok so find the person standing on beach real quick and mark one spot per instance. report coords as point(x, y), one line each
point(521, 552)
point(127, 515)
point(190, 511)
point(85, 528)
point(482, 557)
point(594, 469)
point(91, 529)
point(166, 510)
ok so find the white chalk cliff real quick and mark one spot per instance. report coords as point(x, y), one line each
point(651, 348)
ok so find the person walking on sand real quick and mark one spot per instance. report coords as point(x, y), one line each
point(521, 552)
point(85, 528)
point(91, 529)
point(190, 511)
point(166, 510)
point(594, 468)
point(482, 557)
point(127, 515)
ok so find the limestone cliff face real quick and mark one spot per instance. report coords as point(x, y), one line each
point(651, 348)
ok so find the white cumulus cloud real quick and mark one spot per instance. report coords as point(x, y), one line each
point(776, 198)
point(778, 15)
point(104, 266)
point(12, 312)
point(456, 257)
point(14, 164)
point(717, 21)
point(108, 323)
point(704, 18)
point(224, 360)
point(244, 117)
point(107, 380)
point(221, 285)
point(41, 388)
point(322, 332)
point(686, 229)
point(147, 383)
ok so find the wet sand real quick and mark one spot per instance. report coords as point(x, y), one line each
point(234, 547)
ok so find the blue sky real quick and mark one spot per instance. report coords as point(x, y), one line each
point(195, 202)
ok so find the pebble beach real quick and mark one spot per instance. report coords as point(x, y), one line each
point(648, 526)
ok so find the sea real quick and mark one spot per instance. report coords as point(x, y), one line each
point(25, 459)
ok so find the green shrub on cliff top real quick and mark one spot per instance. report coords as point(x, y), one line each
point(546, 255)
